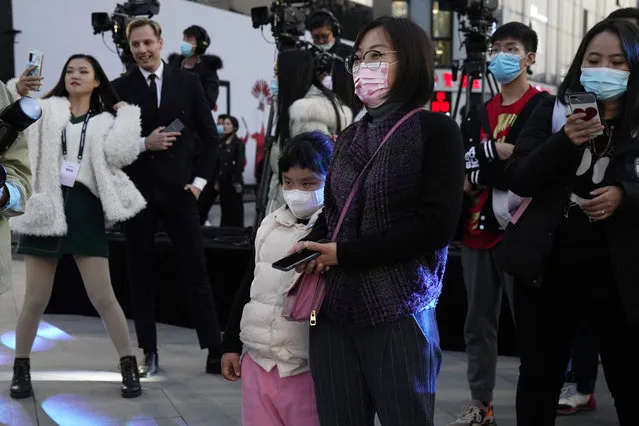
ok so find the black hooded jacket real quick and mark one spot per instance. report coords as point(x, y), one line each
point(206, 69)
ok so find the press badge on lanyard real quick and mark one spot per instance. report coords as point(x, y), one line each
point(70, 169)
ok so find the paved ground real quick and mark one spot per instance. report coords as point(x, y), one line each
point(76, 380)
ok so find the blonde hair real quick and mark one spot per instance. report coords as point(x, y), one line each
point(143, 22)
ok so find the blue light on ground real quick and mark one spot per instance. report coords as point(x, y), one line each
point(74, 410)
point(15, 413)
point(47, 335)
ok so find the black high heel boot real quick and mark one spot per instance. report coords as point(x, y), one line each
point(130, 377)
point(21, 381)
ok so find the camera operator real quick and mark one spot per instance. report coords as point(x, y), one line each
point(14, 192)
point(163, 175)
point(490, 131)
point(326, 32)
point(192, 58)
point(304, 104)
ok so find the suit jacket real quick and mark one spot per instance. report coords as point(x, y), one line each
point(163, 172)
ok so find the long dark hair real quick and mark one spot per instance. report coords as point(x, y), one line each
point(103, 97)
point(629, 36)
point(295, 75)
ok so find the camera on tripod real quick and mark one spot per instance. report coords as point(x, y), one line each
point(476, 29)
point(117, 22)
point(287, 19)
point(477, 26)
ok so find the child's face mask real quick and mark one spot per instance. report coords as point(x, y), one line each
point(303, 204)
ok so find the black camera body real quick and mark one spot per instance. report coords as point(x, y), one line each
point(287, 19)
point(477, 25)
point(117, 22)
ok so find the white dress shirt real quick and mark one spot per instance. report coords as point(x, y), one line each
point(198, 182)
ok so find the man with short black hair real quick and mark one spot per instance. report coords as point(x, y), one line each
point(490, 131)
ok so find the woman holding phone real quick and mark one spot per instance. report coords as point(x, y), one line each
point(77, 150)
point(573, 251)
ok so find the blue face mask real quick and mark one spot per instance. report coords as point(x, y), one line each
point(505, 67)
point(273, 85)
point(220, 129)
point(186, 49)
point(606, 83)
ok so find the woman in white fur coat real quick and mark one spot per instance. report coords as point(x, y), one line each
point(76, 151)
point(303, 105)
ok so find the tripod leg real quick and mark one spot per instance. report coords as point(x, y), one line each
point(458, 96)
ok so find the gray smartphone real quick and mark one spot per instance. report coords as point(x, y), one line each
point(175, 126)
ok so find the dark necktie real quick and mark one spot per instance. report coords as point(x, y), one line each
point(153, 87)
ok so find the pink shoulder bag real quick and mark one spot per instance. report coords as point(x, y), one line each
point(304, 300)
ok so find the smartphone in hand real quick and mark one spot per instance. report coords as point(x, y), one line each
point(585, 103)
point(36, 59)
point(175, 126)
point(291, 261)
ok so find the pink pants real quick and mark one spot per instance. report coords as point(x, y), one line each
point(271, 400)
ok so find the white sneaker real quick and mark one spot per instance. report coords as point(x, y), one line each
point(571, 401)
point(475, 415)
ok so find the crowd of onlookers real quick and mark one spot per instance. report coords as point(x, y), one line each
point(547, 188)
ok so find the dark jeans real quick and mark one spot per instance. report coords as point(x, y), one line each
point(546, 330)
point(389, 368)
point(584, 363)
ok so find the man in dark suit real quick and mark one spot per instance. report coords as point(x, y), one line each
point(163, 174)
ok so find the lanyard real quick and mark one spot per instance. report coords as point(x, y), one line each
point(83, 136)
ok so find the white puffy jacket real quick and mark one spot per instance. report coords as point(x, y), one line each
point(270, 339)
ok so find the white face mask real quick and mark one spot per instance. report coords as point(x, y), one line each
point(304, 204)
point(326, 47)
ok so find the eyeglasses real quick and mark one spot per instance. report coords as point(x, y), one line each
point(508, 49)
point(372, 59)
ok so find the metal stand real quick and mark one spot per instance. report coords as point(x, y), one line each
point(473, 71)
point(262, 193)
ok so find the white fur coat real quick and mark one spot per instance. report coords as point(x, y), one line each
point(115, 146)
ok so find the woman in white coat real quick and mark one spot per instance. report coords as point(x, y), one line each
point(77, 151)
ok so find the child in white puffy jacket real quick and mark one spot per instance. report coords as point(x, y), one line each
point(277, 387)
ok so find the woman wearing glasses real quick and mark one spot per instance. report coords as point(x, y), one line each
point(375, 345)
point(303, 105)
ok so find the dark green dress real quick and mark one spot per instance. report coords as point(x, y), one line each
point(86, 233)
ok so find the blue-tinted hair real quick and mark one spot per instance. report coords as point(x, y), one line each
point(311, 150)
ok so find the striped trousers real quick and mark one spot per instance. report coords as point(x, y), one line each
point(389, 369)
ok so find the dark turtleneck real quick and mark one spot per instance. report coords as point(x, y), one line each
point(383, 111)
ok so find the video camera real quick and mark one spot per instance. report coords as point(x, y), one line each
point(118, 21)
point(477, 26)
point(14, 119)
point(288, 26)
point(287, 19)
